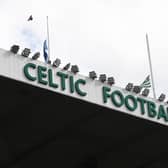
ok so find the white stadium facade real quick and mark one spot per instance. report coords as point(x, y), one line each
point(51, 118)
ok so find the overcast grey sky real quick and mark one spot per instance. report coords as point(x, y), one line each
point(107, 36)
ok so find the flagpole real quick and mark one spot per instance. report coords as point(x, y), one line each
point(150, 65)
point(48, 39)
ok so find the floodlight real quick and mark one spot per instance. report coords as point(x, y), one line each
point(49, 62)
point(14, 49)
point(92, 75)
point(129, 87)
point(111, 80)
point(57, 62)
point(102, 77)
point(145, 92)
point(136, 89)
point(67, 66)
point(36, 56)
point(74, 69)
point(162, 97)
point(26, 52)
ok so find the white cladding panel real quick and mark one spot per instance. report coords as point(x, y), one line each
point(11, 66)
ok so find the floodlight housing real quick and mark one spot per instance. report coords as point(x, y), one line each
point(102, 78)
point(129, 87)
point(67, 66)
point(26, 52)
point(49, 62)
point(74, 69)
point(162, 97)
point(136, 89)
point(92, 75)
point(36, 56)
point(145, 92)
point(14, 49)
point(57, 62)
point(110, 80)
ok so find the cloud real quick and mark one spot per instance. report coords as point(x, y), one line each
point(31, 39)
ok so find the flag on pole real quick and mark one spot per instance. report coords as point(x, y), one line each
point(30, 18)
point(146, 83)
point(45, 51)
point(150, 65)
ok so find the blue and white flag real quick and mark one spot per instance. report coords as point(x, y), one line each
point(45, 51)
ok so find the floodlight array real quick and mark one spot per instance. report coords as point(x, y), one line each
point(92, 74)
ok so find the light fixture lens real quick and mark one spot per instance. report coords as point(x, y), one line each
point(36, 56)
point(14, 49)
point(56, 63)
point(102, 77)
point(145, 92)
point(111, 80)
point(74, 69)
point(26, 52)
point(136, 89)
point(66, 67)
point(92, 75)
point(162, 97)
point(129, 87)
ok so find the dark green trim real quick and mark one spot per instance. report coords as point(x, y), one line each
point(50, 79)
point(162, 113)
point(71, 83)
point(77, 88)
point(62, 76)
point(151, 109)
point(142, 102)
point(42, 75)
point(26, 71)
point(120, 95)
point(105, 94)
point(134, 101)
